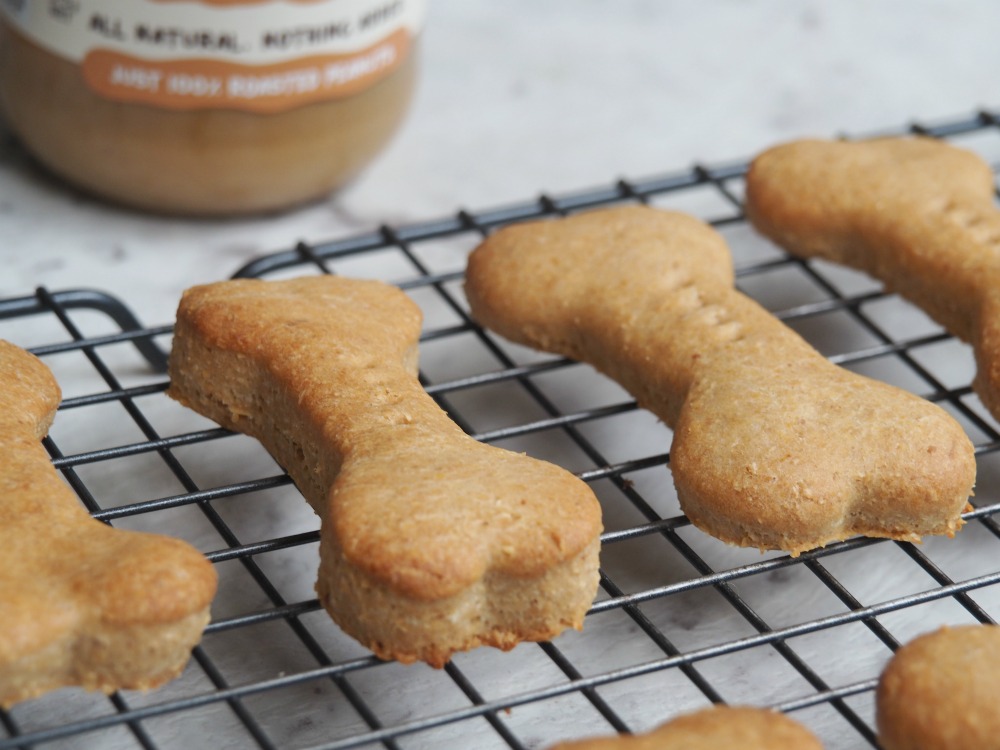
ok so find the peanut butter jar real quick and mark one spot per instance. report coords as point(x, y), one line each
point(207, 107)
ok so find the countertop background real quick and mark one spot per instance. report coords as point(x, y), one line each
point(522, 97)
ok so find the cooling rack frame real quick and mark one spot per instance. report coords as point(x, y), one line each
point(334, 678)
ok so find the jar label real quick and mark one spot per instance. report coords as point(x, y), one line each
point(255, 55)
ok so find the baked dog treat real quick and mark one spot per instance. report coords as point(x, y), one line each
point(430, 542)
point(711, 729)
point(916, 213)
point(82, 603)
point(774, 447)
point(939, 692)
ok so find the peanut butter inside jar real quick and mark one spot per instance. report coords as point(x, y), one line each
point(188, 158)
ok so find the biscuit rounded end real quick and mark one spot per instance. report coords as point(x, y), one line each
point(744, 727)
point(938, 692)
point(498, 610)
point(796, 458)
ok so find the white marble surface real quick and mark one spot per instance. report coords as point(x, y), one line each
point(520, 97)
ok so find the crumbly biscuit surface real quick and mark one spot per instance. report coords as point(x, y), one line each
point(774, 447)
point(83, 603)
point(916, 213)
point(431, 542)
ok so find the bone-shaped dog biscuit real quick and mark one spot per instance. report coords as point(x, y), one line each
point(916, 213)
point(742, 727)
point(81, 603)
point(774, 446)
point(430, 541)
point(938, 692)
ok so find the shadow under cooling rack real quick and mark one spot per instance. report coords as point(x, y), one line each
point(680, 619)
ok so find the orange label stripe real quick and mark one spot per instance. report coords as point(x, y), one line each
point(205, 84)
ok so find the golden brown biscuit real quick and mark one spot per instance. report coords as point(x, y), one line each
point(774, 447)
point(939, 692)
point(82, 603)
point(713, 729)
point(916, 213)
point(431, 542)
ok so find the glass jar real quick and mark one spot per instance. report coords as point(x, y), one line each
point(207, 107)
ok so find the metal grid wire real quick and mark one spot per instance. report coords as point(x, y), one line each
point(680, 620)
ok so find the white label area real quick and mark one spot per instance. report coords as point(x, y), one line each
point(251, 33)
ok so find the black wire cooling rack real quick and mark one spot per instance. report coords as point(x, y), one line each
point(680, 620)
